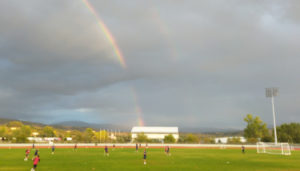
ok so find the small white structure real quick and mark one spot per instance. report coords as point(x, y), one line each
point(45, 139)
point(69, 138)
point(35, 139)
point(224, 140)
point(157, 133)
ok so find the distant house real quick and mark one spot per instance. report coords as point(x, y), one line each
point(13, 128)
point(35, 134)
point(156, 133)
point(224, 140)
point(36, 139)
point(45, 139)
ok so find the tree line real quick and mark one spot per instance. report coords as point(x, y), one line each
point(256, 130)
point(17, 132)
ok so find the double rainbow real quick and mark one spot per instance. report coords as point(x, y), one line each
point(118, 53)
point(138, 109)
point(107, 34)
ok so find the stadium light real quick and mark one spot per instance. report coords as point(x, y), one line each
point(272, 92)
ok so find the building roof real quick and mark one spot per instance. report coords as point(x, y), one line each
point(144, 129)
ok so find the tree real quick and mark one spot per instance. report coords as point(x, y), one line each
point(191, 138)
point(267, 138)
point(169, 139)
point(102, 136)
point(234, 140)
point(48, 131)
point(61, 134)
point(22, 134)
point(3, 131)
point(209, 140)
point(88, 134)
point(141, 138)
point(77, 136)
point(15, 124)
point(255, 129)
point(124, 138)
point(289, 133)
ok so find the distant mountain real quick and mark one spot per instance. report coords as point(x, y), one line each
point(80, 125)
point(92, 125)
point(6, 120)
point(73, 123)
point(210, 130)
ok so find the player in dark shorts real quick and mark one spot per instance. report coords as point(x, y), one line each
point(33, 146)
point(145, 157)
point(167, 150)
point(106, 150)
point(36, 152)
point(53, 149)
point(136, 147)
point(75, 147)
point(36, 160)
point(243, 149)
point(27, 151)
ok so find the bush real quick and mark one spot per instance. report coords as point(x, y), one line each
point(267, 139)
point(169, 139)
point(191, 138)
point(234, 140)
point(141, 138)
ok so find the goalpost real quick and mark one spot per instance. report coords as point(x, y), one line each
point(273, 148)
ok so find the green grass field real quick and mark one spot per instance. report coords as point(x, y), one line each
point(127, 159)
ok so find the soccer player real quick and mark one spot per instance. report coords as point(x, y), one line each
point(243, 149)
point(75, 147)
point(36, 152)
point(136, 147)
point(33, 146)
point(168, 150)
point(106, 150)
point(53, 149)
point(36, 160)
point(27, 151)
point(145, 156)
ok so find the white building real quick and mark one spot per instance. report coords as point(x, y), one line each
point(157, 133)
point(224, 140)
point(45, 139)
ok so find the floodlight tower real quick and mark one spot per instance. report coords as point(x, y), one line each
point(273, 92)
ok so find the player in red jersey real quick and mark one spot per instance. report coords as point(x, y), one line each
point(36, 160)
point(27, 151)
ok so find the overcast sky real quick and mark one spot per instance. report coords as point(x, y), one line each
point(189, 63)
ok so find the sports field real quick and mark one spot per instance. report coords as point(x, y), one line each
point(128, 159)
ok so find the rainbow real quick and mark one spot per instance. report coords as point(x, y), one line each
point(107, 34)
point(165, 32)
point(138, 109)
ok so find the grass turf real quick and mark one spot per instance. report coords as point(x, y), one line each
point(127, 159)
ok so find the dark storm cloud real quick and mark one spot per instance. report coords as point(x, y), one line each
point(198, 63)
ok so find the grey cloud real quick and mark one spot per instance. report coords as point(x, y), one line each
point(200, 63)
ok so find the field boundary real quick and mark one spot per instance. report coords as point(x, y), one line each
point(131, 145)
